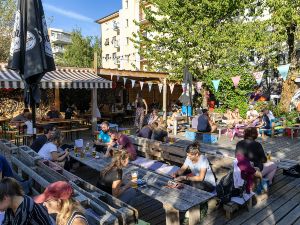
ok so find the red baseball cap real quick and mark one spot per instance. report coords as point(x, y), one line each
point(57, 190)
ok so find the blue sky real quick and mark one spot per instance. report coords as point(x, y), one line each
point(70, 14)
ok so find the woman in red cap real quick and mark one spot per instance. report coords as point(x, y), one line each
point(57, 198)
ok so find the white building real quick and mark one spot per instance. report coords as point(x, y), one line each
point(118, 51)
point(59, 39)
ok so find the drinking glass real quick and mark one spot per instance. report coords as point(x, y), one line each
point(134, 178)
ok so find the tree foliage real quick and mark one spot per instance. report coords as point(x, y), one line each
point(215, 39)
point(7, 12)
point(81, 52)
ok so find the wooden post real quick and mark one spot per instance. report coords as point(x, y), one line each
point(94, 109)
point(165, 92)
point(57, 99)
point(172, 215)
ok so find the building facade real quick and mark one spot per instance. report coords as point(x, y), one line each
point(59, 39)
point(117, 29)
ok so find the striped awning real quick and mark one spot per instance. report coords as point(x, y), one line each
point(61, 78)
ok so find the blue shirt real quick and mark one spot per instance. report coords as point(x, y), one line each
point(203, 124)
point(104, 137)
point(5, 167)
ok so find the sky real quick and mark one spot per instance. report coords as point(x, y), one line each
point(70, 14)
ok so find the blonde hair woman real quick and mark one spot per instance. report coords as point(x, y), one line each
point(57, 198)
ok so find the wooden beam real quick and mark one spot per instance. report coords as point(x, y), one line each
point(128, 73)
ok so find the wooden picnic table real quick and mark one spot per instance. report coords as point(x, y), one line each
point(57, 121)
point(174, 200)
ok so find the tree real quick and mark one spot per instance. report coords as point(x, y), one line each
point(7, 12)
point(81, 52)
point(210, 37)
point(285, 21)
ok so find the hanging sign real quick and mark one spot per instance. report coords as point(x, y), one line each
point(236, 81)
point(150, 86)
point(142, 84)
point(124, 79)
point(132, 83)
point(160, 86)
point(216, 84)
point(198, 86)
point(284, 70)
point(258, 76)
point(172, 87)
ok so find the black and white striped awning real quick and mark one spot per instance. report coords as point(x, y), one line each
point(61, 78)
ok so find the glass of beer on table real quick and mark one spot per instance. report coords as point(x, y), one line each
point(134, 178)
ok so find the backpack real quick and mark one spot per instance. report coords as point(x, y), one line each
point(225, 188)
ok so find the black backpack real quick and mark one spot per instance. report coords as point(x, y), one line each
point(225, 188)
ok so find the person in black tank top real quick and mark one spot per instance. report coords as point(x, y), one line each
point(57, 198)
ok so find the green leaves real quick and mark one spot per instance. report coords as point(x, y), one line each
point(81, 52)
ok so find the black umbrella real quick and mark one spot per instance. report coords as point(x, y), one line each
point(31, 53)
point(186, 99)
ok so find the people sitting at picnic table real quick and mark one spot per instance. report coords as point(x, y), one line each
point(5, 169)
point(251, 114)
point(153, 117)
point(146, 131)
point(50, 150)
point(227, 117)
point(103, 138)
point(57, 198)
point(21, 117)
point(265, 122)
point(111, 178)
point(121, 141)
point(269, 114)
point(254, 151)
point(159, 133)
point(205, 124)
point(19, 208)
point(202, 176)
point(44, 138)
point(70, 112)
point(53, 113)
point(236, 115)
point(175, 113)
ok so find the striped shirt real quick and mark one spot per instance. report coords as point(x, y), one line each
point(76, 215)
point(28, 213)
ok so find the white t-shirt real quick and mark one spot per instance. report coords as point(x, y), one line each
point(270, 115)
point(201, 164)
point(29, 126)
point(252, 114)
point(45, 151)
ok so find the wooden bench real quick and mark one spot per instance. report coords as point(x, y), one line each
point(74, 130)
point(232, 207)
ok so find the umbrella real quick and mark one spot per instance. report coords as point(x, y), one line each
point(31, 53)
point(186, 99)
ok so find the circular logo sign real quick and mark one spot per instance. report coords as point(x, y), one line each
point(31, 41)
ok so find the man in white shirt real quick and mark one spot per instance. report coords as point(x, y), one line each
point(202, 176)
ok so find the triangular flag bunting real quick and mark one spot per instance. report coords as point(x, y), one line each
point(172, 87)
point(142, 84)
point(216, 84)
point(258, 76)
point(150, 86)
point(284, 70)
point(198, 86)
point(132, 83)
point(236, 81)
point(124, 79)
point(111, 76)
point(118, 77)
point(160, 86)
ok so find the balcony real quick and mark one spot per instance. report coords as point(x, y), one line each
point(116, 44)
point(61, 39)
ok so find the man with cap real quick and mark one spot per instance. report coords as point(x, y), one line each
point(57, 198)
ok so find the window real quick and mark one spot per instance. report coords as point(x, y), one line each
point(127, 40)
point(106, 57)
point(114, 55)
point(106, 41)
point(127, 23)
point(126, 4)
point(114, 39)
